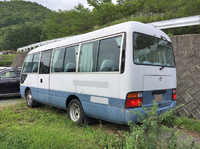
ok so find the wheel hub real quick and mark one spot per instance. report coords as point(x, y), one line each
point(75, 112)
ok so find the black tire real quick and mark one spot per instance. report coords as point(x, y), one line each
point(75, 112)
point(29, 100)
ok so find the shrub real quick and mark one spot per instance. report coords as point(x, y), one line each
point(153, 133)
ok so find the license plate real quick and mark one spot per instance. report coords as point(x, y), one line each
point(158, 98)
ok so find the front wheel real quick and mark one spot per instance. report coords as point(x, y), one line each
point(29, 100)
point(75, 111)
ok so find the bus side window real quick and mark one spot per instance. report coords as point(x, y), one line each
point(87, 59)
point(57, 62)
point(27, 64)
point(70, 59)
point(35, 62)
point(109, 52)
point(45, 62)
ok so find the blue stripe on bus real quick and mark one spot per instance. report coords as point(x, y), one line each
point(114, 111)
point(53, 94)
point(105, 112)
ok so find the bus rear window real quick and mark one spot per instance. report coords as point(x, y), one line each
point(149, 50)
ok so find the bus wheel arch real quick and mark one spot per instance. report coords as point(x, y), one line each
point(71, 97)
point(26, 90)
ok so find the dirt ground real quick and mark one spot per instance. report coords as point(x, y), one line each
point(110, 127)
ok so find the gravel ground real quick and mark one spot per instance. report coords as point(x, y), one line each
point(195, 136)
point(9, 100)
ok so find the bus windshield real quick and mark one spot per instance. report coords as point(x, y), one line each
point(150, 50)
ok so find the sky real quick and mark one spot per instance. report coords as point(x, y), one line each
point(61, 4)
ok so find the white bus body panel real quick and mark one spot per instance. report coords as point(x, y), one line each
point(43, 88)
point(94, 84)
point(32, 81)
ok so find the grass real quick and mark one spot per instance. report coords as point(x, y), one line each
point(190, 124)
point(7, 60)
point(44, 127)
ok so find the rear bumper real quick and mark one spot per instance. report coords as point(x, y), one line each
point(130, 114)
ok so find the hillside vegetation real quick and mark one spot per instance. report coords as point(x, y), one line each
point(23, 23)
point(6, 60)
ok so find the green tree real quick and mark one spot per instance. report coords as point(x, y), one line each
point(21, 36)
point(67, 23)
point(19, 20)
point(190, 8)
point(96, 3)
point(105, 11)
point(128, 8)
point(121, 2)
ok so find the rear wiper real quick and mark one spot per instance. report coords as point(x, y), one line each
point(168, 47)
point(166, 63)
point(163, 38)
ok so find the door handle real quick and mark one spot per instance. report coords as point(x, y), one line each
point(13, 81)
point(41, 80)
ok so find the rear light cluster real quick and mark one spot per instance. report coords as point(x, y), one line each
point(174, 94)
point(134, 100)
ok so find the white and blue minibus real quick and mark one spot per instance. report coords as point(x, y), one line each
point(105, 74)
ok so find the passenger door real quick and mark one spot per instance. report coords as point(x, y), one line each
point(43, 82)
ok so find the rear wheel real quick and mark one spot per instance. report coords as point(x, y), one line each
point(29, 100)
point(75, 111)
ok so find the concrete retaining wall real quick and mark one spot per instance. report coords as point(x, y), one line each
point(187, 56)
point(19, 59)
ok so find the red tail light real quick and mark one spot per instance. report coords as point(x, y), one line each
point(174, 94)
point(134, 100)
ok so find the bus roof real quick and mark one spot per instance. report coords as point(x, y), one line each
point(108, 31)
